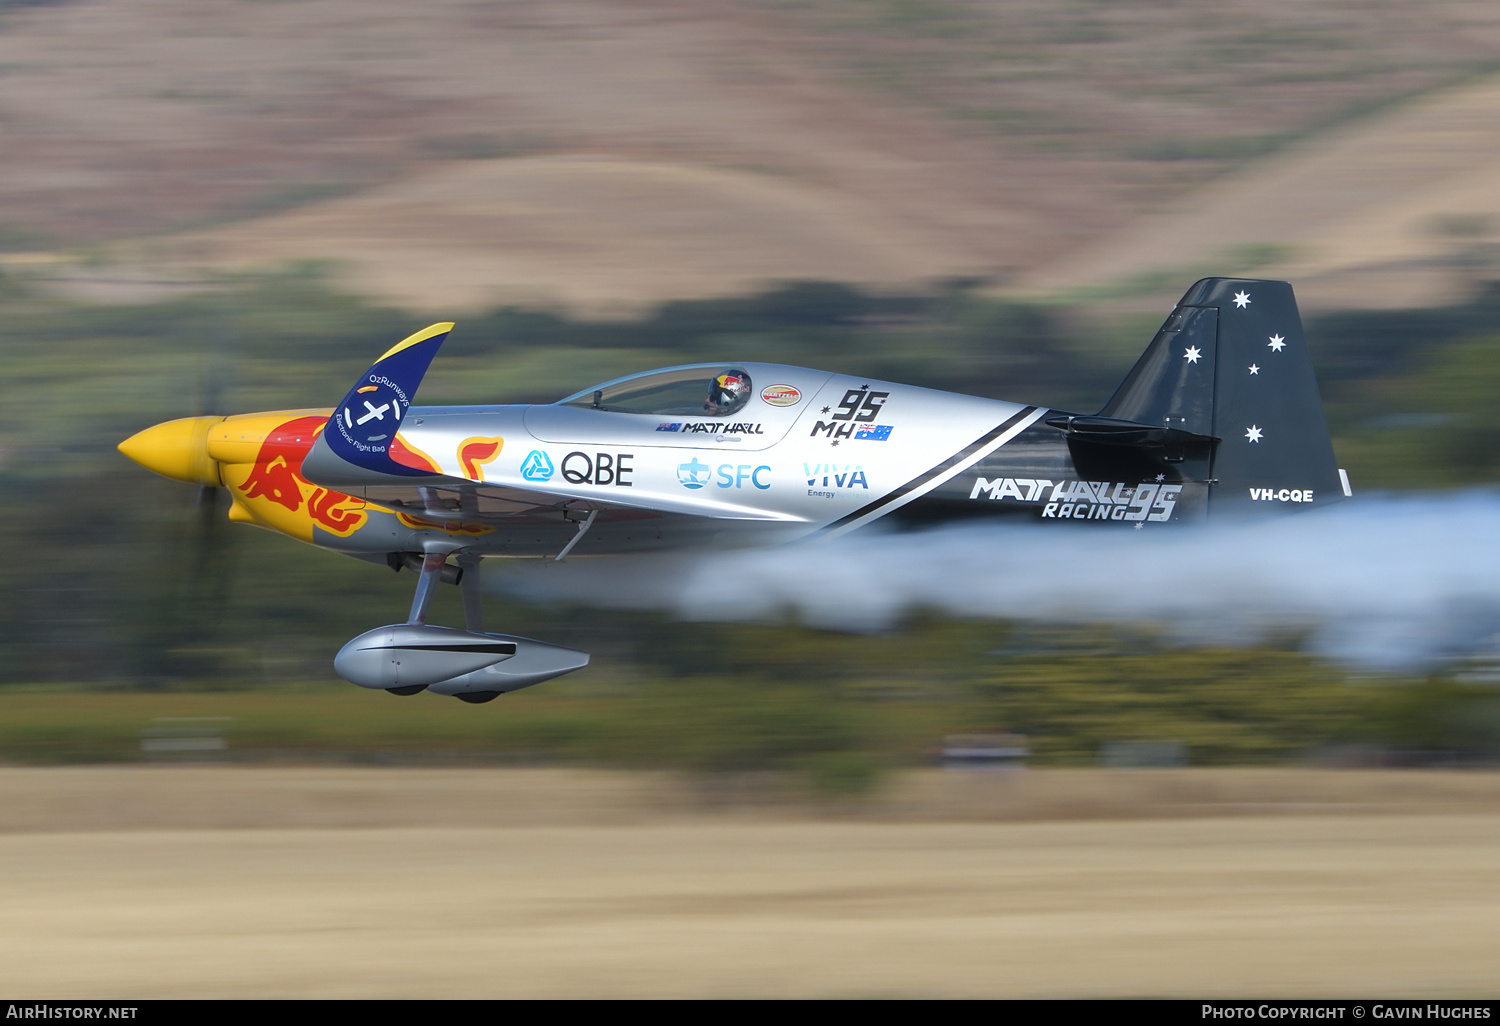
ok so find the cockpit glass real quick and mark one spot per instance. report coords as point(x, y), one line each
point(708, 390)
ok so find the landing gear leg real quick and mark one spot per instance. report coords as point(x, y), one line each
point(432, 569)
point(468, 586)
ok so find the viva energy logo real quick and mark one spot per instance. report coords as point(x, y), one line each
point(825, 480)
point(833, 475)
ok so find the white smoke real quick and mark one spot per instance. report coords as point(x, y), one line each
point(1385, 582)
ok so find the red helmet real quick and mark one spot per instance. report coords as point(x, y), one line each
point(727, 392)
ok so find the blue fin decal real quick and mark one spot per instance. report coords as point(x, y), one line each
point(363, 427)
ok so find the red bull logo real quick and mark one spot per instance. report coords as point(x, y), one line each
point(273, 493)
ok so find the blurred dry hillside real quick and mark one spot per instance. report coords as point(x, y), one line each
point(608, 154)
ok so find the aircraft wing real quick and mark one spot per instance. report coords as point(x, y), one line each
point(449, 499)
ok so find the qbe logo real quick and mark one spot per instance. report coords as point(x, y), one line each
point(537, 466)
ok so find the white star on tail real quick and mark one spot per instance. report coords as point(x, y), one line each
point(1253, 434)
point(1242, 299)
point(1277, 343)
point(1192, 354)
point(1254, 369)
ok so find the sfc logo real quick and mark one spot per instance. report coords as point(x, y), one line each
point(693, 475)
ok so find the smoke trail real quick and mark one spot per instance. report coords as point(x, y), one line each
point(1387, 582)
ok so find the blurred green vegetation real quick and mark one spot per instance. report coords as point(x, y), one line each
point(832, 711)
point(118, 609)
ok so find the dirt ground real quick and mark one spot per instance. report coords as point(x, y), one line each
point(329, 882)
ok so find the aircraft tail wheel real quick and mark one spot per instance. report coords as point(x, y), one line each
point(477, 697)
point(410, 689)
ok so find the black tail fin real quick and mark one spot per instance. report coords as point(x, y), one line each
point(1231, 363)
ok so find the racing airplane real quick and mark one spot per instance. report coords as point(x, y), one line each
point(1220, 416)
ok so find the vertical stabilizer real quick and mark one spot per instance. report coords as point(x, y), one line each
point(364, 430)
point(1231, 363)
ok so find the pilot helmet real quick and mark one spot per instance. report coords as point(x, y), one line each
point(727, 392)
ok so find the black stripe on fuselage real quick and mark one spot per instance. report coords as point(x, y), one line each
point(927, 475)
point(495, 648)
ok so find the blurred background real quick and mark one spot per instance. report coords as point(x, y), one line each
point(229, 205)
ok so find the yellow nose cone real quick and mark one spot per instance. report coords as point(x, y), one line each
point(177, 449)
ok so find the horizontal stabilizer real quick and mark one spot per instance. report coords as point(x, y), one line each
point(1112, 431)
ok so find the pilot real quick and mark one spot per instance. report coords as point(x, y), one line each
point(727, 392)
